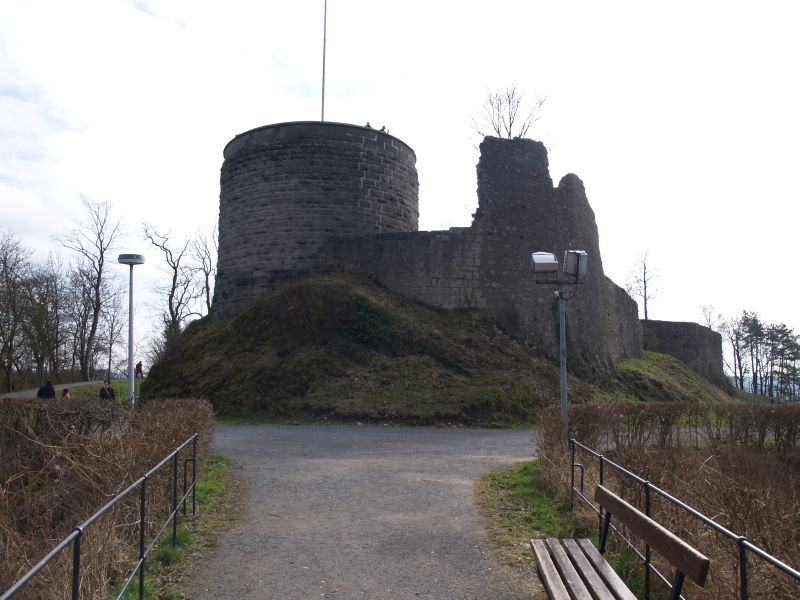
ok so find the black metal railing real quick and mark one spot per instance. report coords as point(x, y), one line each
point(744, 546)
point(74, 538)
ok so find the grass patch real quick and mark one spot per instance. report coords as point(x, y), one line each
point(91, 390)
point(218, 493)
point(659, 377)
point(515, 510)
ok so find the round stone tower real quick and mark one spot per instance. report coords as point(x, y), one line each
point(286, 188)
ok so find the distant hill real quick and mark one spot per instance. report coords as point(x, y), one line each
point(341, 346)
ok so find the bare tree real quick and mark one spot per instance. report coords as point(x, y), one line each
point(733, 329)
point(91, 241)
point(183, 291)
point(710, 320)
point(206, 257)
point(754, 343)
point(114, 313)
point(640, 283)
point(14, 271)
point(43, 316)
point(504, 114)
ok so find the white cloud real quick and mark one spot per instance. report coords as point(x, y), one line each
point(680, 118)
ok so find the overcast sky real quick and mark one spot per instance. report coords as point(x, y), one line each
point(681, 118)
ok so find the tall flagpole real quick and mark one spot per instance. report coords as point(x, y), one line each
point(324, 42)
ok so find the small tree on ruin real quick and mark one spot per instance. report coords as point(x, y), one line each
point(505, 114)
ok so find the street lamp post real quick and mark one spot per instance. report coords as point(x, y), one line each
point(131, 260)
point(545, 270)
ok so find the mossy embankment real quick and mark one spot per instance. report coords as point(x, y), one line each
point(340, 346)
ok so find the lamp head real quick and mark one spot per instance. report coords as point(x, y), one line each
point(131, 259)
point(544, 262)
point(576, 263)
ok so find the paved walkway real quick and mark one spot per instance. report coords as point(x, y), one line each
point(340, 511)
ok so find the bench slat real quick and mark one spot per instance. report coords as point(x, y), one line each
point(688, 560)
point(547, 571)
point(596, 585)
point(575, 584)
point(613, 581)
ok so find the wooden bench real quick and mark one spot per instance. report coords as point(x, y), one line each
point(576, 570)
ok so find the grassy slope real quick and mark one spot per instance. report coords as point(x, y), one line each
point(340, 346)
point(659, 377)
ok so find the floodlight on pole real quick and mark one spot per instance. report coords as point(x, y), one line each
point(131, 260)
point(544, 266)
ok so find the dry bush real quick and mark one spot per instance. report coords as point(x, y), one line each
point(737, 464)
point(62, 461)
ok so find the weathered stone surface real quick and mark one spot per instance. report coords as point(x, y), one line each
point(488, 264)
point(299, 198)
point(697, 346)
point(286, 188)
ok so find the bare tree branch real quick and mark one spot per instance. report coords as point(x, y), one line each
point(504, 115)
point(91, 241)
point(206, 257)
point(183, 290)
point(640, 283)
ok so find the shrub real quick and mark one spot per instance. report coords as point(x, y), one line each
point(737, 464)
point(63, 461)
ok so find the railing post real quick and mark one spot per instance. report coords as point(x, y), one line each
point(175, 500)
point(647, 546)
point(742, 566)
point(572, 473)
point(142, 498)
point(194, 471)
point(600, 515)
point(76, 565)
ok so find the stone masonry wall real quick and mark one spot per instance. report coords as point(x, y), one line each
point(488, 264)
point(435, 267)
point(299, 198)
point(286, 188)
point(697, 346)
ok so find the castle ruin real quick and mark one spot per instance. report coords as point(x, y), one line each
point(307, 197)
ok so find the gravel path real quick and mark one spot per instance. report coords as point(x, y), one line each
point(339, 511)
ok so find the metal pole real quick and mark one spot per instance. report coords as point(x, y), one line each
point(647, 555)
point(194, 473)
point(175, 500)
point(131, 382)
point(324, 44)
point(142, 525)
point(76, 566)
point(562, 355)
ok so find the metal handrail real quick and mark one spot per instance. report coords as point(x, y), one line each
point(74, 536)
point(741, 541)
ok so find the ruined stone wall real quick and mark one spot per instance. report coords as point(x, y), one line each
point(697, 346)
point(488, 264)
point(519, 212)
point(286, 188)
point(299, 198)
point(435, 267)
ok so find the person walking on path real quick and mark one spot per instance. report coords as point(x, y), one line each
point(107, 392)
point(138, 371)
point(47, 391)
